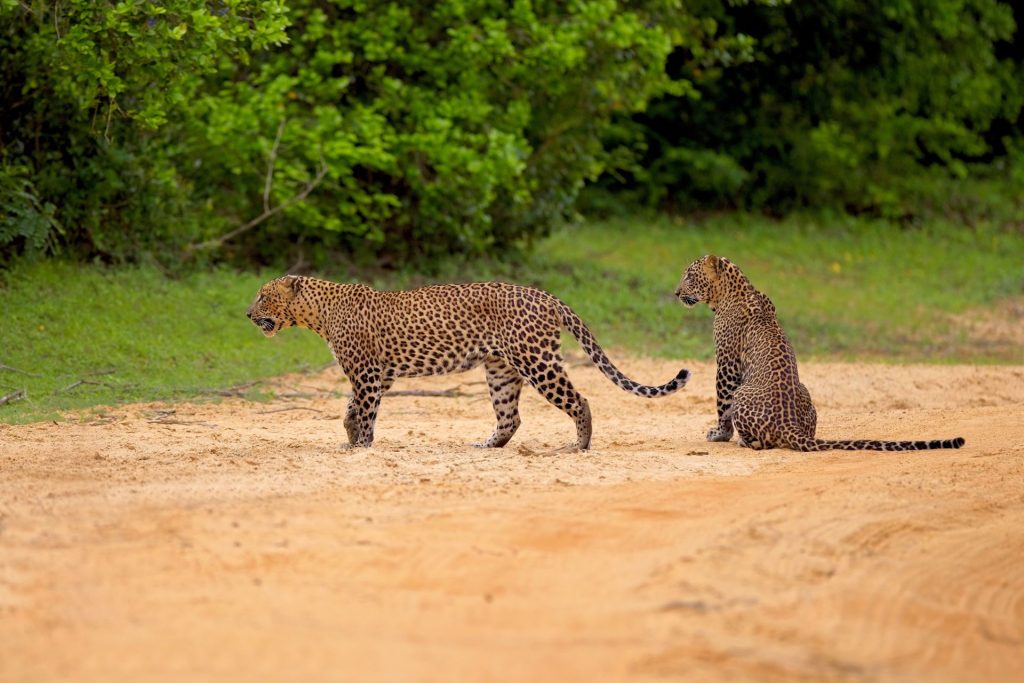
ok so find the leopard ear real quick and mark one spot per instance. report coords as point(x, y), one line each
point(713, 266)
point(289, 286)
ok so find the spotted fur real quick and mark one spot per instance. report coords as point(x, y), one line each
point(759, 391)
point(376, 337)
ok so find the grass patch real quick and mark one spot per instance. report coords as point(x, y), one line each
point(850, 288)
point(844, 288)
point(80, 336)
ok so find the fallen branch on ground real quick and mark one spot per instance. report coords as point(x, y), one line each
point(12, 397)
point(429, 393)
point(175, 421)
point(237, 391)
point(80, 382)
point(443, 393)
point(281, 410)
point(4, 366)
point(296, 394)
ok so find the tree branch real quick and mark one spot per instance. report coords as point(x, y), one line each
point(268, 211)
point(269, 182)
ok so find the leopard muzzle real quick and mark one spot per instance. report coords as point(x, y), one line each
point(268, 325)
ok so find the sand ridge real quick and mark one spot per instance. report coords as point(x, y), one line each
point(236, 540)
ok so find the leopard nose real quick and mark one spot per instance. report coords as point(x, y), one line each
point(248, 314)
point(678, 291)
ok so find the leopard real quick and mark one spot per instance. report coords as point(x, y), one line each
point(758, 389)
point(378, 336)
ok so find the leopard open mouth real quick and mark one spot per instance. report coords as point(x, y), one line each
point(268, 325)
point(689, 299)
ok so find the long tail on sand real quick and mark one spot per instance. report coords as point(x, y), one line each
point(869, 445)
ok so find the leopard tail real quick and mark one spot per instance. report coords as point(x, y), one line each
point(576, 326)
point(868, 445)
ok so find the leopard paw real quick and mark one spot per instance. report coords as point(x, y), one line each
point(719, 434)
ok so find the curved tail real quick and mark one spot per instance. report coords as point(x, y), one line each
point(868, 445)
point(572, 322)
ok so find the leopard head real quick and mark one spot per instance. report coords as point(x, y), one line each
point(703, 279)
point(270, 311)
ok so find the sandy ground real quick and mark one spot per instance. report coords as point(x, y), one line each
point(236, 542)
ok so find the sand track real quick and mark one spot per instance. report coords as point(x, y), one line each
point(235, 541)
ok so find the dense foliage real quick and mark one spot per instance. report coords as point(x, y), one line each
point(274, 131)
point(93, 154)
point(869, 105)
point(450, 126)
point(401, 129)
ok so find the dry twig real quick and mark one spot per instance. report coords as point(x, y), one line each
point(296, 394)
point(428, 393)
point(237, 391)
point(12, 397)
point(443, 393)
point(80, 382)
point(4, 366)
point(175, 421)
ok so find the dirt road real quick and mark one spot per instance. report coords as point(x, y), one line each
point(236, 542)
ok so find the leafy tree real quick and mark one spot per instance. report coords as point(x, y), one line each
point(88, 89)
point(242, 128)
point(455, 126)
point(272, 131)
point(864, 105)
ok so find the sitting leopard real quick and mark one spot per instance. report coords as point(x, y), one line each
point(759, 390)
point(378, 336)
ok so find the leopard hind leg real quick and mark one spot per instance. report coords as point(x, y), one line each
point(548, 377)
point(750, 426)
point(504, 384)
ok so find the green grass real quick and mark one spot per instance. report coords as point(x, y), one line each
point(845, 289)
point(79, 336)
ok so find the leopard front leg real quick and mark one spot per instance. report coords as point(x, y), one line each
point(727, 380)
point(352, 421)
point(368, 386)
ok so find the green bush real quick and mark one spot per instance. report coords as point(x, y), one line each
point(89, 90)
point(27, 222)
point(457, 126)
point(260, 130)
point(872, 106)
